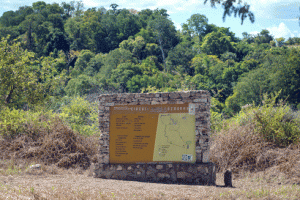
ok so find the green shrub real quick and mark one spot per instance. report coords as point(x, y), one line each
point(15, 122)
point(81, 116)
point(276, 122)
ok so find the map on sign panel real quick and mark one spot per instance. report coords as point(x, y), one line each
point(174, 136)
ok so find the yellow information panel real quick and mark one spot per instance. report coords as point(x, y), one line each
point(152, 133)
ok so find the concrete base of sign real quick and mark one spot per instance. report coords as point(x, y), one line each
point(186, 173)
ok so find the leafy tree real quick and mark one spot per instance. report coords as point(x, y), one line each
point(293, 40)
point(136, 47)
point(144, 17)
point(96, 63)
point(72, 28)
point(228, 56)
point(242, 49)
point(150, 66)
point(196, 26)
point(216, 43)
point(57, 21)
point(113, 59)
point(180, 58)
point(57, 40)
point(79, 7)
point(278, 71)
point(69, 9)
point(165, 35)
point(8, 19)
point(249, 38)
point(280, 41)
point(127, 25)
point(147, 34)
point(12, 31)
point(263, 37)
point(249, 89)
point(287, 75)
point(81, 63)
point(243, 11)
point(123, 73)
point(21, 79)
point(137, 82)
point(80, 85)
point(114, 7)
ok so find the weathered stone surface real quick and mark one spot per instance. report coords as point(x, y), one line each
point(201, 173)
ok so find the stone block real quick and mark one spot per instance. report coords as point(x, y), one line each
point(184, 175)
point(205, 156)
point(159, 166)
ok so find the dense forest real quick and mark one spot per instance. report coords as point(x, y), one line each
point(53, 51)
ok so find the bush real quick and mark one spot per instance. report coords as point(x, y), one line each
point(258, 138)
point(81, 116)
point(16, 122)
point(277, 123)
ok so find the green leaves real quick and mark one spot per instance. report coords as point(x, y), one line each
point(81, 115)
point(23, 79)
point(216, 43)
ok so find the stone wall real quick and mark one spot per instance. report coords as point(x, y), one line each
point(199, 101)
point(186, 173)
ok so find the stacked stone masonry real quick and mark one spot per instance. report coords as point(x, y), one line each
point(201, 101)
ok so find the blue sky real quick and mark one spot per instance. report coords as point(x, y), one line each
point(280, 17)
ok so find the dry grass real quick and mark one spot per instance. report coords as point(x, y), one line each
point(57, 145)
point(240, 149)
point(68, 184)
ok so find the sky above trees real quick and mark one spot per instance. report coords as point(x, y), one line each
point(280, 17)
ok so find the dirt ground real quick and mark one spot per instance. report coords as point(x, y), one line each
point(79, 184)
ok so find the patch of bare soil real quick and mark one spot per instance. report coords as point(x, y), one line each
point(50, 182)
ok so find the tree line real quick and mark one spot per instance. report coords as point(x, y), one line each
point(49, 51)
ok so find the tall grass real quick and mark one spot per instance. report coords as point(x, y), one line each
point(259, 137)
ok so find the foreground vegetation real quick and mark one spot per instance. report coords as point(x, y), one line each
point(260, 145)
point(51, 72)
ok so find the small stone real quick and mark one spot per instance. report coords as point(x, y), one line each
point(159, 167)
point(163, 175)
point(37, 166)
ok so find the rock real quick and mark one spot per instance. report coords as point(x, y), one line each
point(37, 166)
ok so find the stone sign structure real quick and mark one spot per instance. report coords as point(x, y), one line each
point(155, 137)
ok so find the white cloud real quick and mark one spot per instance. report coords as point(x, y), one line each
point(254, 32)
point(282, 31)
point(269, 9)
point(90, 3)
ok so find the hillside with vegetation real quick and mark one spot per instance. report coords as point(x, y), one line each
point(55, 59)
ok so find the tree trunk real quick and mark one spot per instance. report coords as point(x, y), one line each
point(163, 54)
point(9, 96)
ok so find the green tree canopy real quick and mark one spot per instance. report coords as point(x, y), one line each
point(216, 43)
